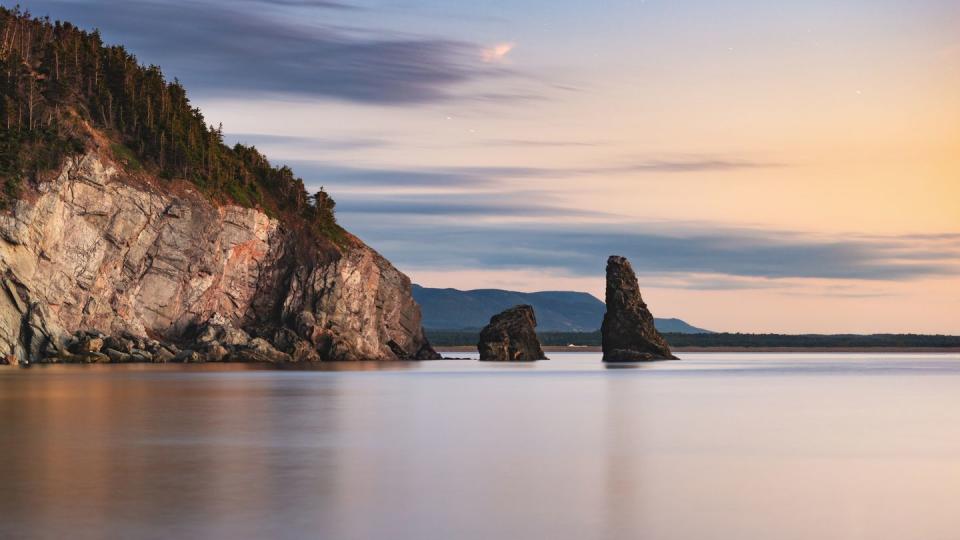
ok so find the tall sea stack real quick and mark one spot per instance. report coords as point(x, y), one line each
point(628, 332)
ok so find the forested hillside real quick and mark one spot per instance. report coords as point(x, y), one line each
point(556, 311)
point(58, 81)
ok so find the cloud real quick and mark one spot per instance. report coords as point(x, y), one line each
point(321, 4)
point(239, 47)
point(459, 206)
point(582, 248)
point(694, 164)
point(497, 53)
point(318, 173)
point(538, 144)
point(332, 174)
point(313, 143)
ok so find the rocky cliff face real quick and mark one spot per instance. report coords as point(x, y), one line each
point(98, 250)
point(628, 332)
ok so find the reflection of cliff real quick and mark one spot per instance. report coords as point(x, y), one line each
point(117, 454)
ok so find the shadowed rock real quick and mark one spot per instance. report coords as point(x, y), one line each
point(628, 332)
point(511, 337)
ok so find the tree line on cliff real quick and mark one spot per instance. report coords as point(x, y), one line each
point(57, 80)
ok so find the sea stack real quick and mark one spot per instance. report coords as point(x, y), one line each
point(510, 337)
point(628, 332)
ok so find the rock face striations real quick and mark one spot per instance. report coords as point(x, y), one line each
point(511, 337)
point(628, 332)
point(97, 264)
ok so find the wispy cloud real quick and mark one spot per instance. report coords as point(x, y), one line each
point(320, 4)
point(460, 206)
point(693, 164)
point(497, 53)
point(316, 172)
point(539, 143)
point(239, 47)
point(655, 250)
point(313, 143)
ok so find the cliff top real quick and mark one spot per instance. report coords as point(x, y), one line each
point(64, 92)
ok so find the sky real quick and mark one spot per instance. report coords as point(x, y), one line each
point(766, 166)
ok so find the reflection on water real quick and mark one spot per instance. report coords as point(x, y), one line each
point(715, 446)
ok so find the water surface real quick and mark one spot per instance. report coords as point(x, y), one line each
point(726, 446)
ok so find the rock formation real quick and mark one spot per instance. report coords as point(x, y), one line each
point(510, 337)
point(628, 332)
point(129, 265)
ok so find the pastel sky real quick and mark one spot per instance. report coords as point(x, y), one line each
point(783, 166)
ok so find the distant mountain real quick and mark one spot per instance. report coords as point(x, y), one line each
point(557, 311)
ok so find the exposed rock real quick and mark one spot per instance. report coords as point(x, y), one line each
point(117, 356)
point(119, 344)
point(94, 358)
point(628, 332)
point(215, 352)
point(303, 351)
point(96, 249)
point(511, 337)
point(188, 356)
point(260, 350)
point(140, 355)
point(219, 329)
point(163, 355)
point(87, 344)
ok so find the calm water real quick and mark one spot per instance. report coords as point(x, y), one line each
point(725, 446)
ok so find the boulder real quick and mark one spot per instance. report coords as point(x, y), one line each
point(163, 355)
point(220, 329)
point(216, 352)
point(303, 351)
point(628, 332)
point(87, 344)
point(119, 344)
point(118, 357)
point(511, 337)
point(94, 358)
point(140, 355)
point(188, 356)
point(260, 350)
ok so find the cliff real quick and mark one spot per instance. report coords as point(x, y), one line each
point(96, 248)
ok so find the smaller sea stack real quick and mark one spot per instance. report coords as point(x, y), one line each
point(628, 332)
point(511, 337)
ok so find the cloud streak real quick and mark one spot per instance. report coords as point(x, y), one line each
point(319, 4)
point(582, 249)
point(332, 174)
point(233, 47)
point(473, 206)
point(313, 143)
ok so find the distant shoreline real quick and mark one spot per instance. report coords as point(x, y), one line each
point(554, 348)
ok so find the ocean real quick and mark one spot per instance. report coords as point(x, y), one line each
point(717, 445)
